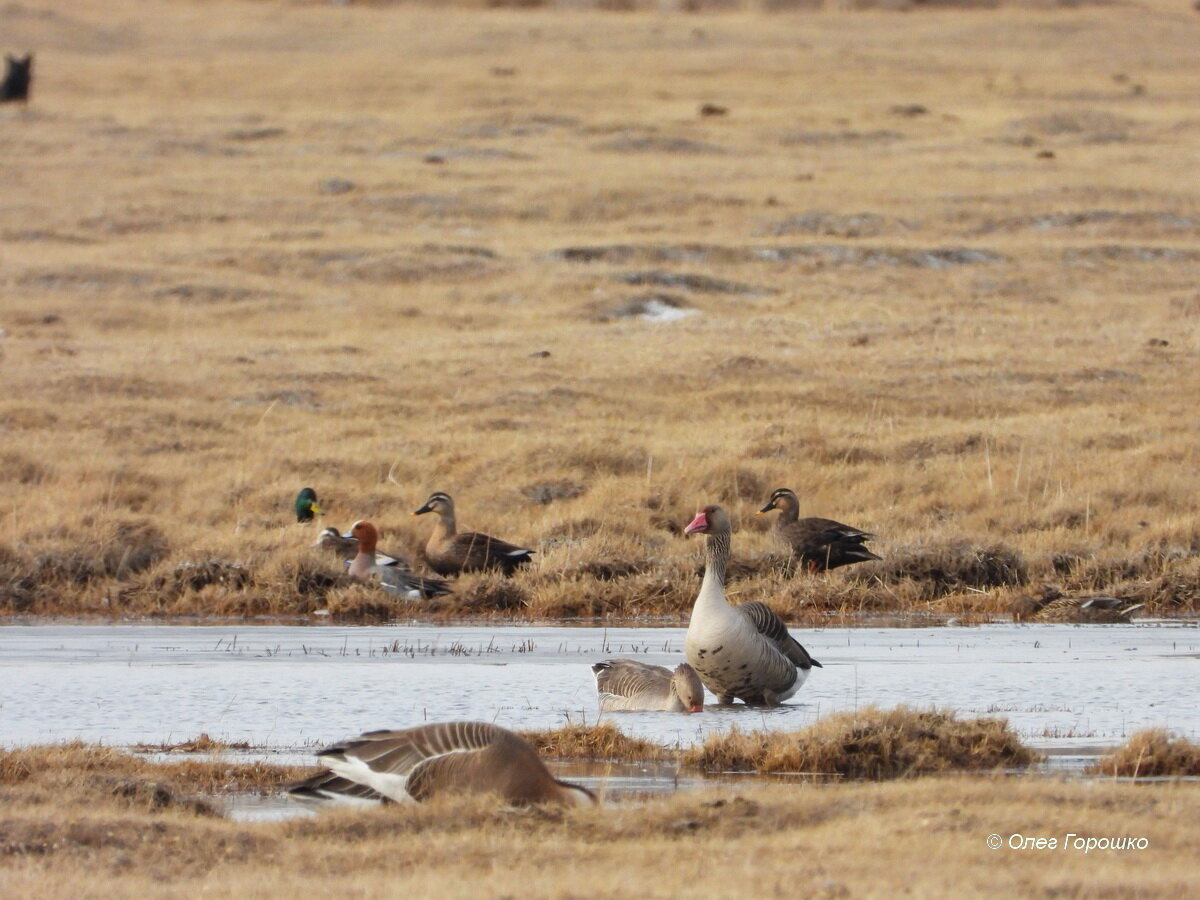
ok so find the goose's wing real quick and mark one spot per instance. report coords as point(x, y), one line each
point(327, 786)
point(385, 760)
point(773, 628)
point(629, 678)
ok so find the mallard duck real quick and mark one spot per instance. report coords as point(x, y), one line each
point(434, 760)
point(740, 652)
point(821, 544)
point(629, 684)
point(1051, 605)
point(391, 578)
point(451, 553)
point(306, 505)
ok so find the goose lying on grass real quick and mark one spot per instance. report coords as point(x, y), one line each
point(740, 652)
point(433, 760)
point(1051, 605)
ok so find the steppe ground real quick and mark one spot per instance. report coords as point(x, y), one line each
point(937, 271)
point(939, 275)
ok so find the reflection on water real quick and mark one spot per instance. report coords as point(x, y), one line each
point(292, 689)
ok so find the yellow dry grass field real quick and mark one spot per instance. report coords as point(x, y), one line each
point(88, 822)
point(586, 271)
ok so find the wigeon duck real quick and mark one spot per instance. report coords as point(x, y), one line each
point(629, 684)
point(740, 652)
point(451, 553)
point(821, 544)
point(346, 547)
point(391, 578)
point(433, 760)
point(306, 505)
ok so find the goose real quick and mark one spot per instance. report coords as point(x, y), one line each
point(306, 505)
point(346, 546)
point(821, 544)
point(437, 759)
point(451, 553)
point(628, 684)
point(1054, 606)
point(740, 652)
point(392, 579)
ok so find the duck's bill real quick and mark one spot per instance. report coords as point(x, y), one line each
point(766, 509)
point(316, 509)
point(424, 509)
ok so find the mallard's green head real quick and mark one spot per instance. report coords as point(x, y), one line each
point(306, 505)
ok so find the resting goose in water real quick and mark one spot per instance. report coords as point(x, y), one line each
point(740, 652)
point(393, 579)
point(433, 760)
point(626, 684)
point(451, 553)
point(821, 544)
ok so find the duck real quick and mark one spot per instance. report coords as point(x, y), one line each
point(451, 553)
point(1052, 605)
point(741, 652)
point(306, 505)
point(346, 546)
point(627, 684)
point(418, 764)
point(821, 544)
point(392, 579)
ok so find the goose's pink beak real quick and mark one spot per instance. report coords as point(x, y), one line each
point(696, 709)
point(700, 523)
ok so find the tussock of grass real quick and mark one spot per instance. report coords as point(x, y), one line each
point(871, 744)
point(1151, 753)
point(604, 741)
point(941, 568)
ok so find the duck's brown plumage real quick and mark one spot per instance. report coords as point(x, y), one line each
point(821, 544)
point(1051, 605)
point(433, 760)
point(451, 553)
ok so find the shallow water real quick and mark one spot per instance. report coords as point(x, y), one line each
point(286, 689)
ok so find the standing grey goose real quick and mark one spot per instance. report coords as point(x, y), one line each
point(628, 684)
point(434, 760)
point(741, 652)
point(451, 553)
point(821, 544)
point(393, 579)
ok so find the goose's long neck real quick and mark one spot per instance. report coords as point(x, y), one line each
point(716, 559)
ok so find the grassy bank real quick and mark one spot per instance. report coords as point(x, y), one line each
point(934, 271)
point(91, 823)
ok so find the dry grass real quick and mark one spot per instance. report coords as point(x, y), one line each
point(64, 833)
point(1154, 753)
point(604, 742)
point(942, 284)
point(872, 744)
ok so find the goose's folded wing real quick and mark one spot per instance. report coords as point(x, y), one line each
point(325, 785)
point(630, 678)
point(773, 628)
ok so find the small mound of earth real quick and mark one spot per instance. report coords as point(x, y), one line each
point(653, 307)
